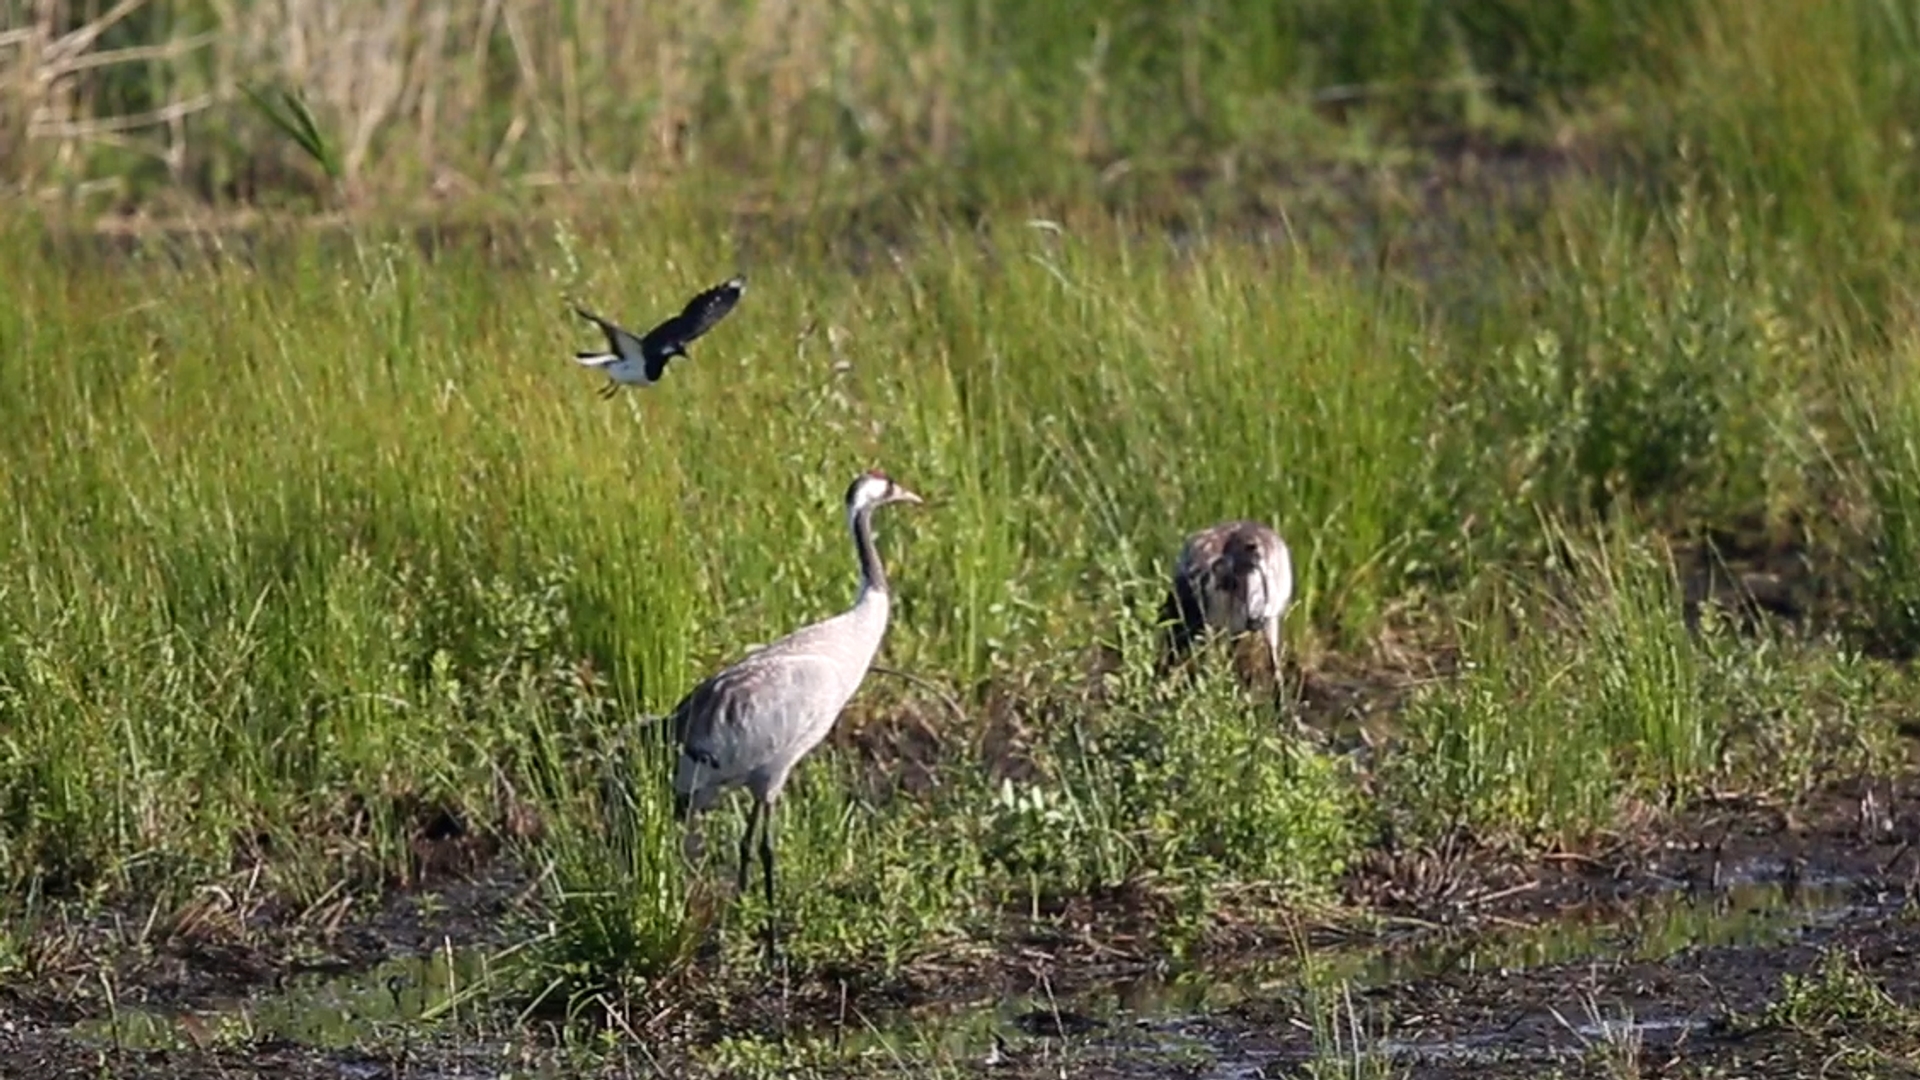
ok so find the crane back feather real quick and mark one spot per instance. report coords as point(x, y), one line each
point(1233, 577)
point(750, 723)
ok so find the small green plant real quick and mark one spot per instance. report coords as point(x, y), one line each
point(1837, 999)
point(1036, 828)
point(1613, 1043)
point(620, 908)
point(288, 113)
point(1174, 780)
point(1344, 1037)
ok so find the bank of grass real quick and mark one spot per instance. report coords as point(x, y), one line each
point(310, 544)
point(1591, 693)
point(960, 99)
point(1805, 106)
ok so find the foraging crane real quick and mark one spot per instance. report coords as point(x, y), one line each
point(1235, 577)
point(751, 723)
point(637, 360)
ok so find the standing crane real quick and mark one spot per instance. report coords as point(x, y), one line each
point(1234, 578)
point(750, 724)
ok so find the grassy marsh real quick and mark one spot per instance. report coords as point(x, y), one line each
point(325, 576)
point(317, 541)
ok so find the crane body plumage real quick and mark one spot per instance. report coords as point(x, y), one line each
point(1233, 578)
point(749, 724)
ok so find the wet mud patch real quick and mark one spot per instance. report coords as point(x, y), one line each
point(1646, 949)
point(221, 947)
point(1688, 923)
point(1860, 830)
point(1687, 1006)
point(1672, 982)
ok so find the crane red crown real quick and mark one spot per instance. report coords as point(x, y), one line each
point(853, 489)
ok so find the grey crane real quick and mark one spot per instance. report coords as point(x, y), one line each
point(1235, 577)
point(750, 724)
point(640, 360)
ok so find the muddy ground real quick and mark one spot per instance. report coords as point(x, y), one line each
point(1660, 953)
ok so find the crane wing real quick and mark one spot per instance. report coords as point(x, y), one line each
point(752, 715)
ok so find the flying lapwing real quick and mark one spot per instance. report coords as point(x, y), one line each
point(640, 360)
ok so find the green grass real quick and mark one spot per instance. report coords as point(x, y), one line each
point(1586, 695)
point(302, 554)
point(812, 104)
point(1884, 407)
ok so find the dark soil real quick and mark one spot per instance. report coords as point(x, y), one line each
point(1053, 982)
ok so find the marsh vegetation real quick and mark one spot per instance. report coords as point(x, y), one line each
point(1571, 345)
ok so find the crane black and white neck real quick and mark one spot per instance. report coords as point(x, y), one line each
point(640, 360)
point(1233, 578)
point(750, 724)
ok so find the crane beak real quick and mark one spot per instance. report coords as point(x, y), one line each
point(901, 494)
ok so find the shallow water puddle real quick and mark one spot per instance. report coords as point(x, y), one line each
point(1744, 912)
point(1243, 1021)
point(1282, 1010)
point(326, 1011)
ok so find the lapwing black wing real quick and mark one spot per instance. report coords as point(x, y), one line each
point(640, 360)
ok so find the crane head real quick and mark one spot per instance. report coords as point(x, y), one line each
point(875, 488)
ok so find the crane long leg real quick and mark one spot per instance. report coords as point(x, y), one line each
point(766, 851)
point(1273, 654)
point(766, 867)
point(746, 847)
